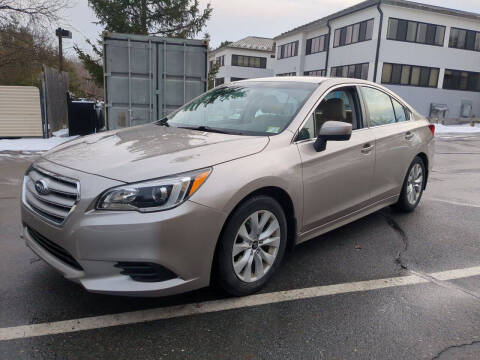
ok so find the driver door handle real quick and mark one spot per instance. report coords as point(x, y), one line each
point(367, 148)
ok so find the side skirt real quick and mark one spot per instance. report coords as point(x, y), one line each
point(334, 224)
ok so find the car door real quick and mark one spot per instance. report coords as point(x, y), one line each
point(394, 138)
point(337, 180)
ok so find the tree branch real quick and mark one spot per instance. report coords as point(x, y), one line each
point(35, 11)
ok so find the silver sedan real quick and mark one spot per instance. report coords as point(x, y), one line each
point(221, 188)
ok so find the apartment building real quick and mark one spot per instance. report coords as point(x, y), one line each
point(427, 54)
point(251, 57)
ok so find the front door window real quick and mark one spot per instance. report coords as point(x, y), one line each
point(339, 105)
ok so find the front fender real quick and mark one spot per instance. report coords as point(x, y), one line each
point(233, 181)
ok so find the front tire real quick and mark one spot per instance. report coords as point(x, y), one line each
point(252, 246)
point(413, 186)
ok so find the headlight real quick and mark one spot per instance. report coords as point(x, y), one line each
point(154, 195)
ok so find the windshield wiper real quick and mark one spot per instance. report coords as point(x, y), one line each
point(209, 129)
point(163, 122)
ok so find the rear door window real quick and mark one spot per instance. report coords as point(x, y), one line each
point(379, 107)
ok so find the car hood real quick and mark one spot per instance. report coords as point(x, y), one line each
point(152, 151)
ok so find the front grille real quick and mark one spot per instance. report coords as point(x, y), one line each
point(145, 272)
point(57, 201)
point(54, 249)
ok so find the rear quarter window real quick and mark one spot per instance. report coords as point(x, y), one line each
point(400, 111)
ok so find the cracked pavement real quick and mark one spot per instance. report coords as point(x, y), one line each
point(394, 225)
point(460, 351)
point(434, 320)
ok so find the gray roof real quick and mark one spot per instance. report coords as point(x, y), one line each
point(252, 43)
point(368, 3)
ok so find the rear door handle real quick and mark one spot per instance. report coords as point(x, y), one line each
point(409, 135)
point(367, 148)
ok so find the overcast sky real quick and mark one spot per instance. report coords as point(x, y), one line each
point(235, 19)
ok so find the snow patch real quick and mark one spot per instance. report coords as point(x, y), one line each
point(19, 155)
point(457, 129)
point(36, 144)
point(61, 133)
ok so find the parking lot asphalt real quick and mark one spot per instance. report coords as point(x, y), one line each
point(429, 318)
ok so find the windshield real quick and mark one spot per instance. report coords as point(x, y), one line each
point(250, 108)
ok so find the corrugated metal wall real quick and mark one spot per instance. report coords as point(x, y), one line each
point(147, 77)
point(20, 112)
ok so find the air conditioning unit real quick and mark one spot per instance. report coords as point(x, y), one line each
point(438, 111)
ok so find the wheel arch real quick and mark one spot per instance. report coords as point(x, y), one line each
point(285, 201)
point(424, 158)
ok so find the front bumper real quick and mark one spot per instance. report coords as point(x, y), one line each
point(182, 240)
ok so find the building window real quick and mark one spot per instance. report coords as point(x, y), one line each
point(249, 61)
point(315, 73)
point(414, 31)
point(317, 44)
point(237, 79)
point(464, 39)
point(287, 50)
point(221, 61)
point(351, 34)
point(212, 64)
point(461, 80)
point(219, 81)
point(410, 75)
point(287, 74)
point(356, 71)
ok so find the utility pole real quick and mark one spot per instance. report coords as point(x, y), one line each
point(143, 16)
point(62, 33)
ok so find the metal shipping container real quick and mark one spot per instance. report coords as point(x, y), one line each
point(147, 77)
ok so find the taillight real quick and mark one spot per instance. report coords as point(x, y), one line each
point(432, 128)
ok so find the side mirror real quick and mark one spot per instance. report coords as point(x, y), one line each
point(332, 131)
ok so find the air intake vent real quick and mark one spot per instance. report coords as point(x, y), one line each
point(54, 249)
point(145, 272)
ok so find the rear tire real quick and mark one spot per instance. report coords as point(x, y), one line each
point(413, 185)
point(251, 247)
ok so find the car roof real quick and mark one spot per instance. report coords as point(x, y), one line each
point(297, 79)
point(305, 79)
point(330, 81)
point(308, 79)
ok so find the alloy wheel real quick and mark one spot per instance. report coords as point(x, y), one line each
point(256, 246)
point(414, 184)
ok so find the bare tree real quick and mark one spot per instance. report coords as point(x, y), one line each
point(23, 51)
point(38, 12)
